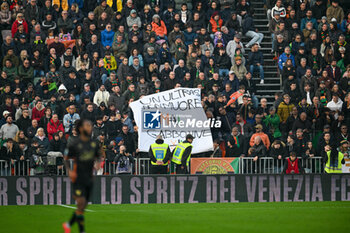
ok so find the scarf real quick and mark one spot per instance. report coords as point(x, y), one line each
point(108, 66)
point(237, 142)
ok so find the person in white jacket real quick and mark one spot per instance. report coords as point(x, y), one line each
point(70, 118)
point(233, 45)
point(277, 8)
point(335, 105)
point(102, 95)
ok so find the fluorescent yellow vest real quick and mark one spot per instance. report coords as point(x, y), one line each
point(159, 152)
point(179, 151)
point(334, 168)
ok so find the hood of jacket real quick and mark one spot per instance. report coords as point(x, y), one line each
point(62, 88)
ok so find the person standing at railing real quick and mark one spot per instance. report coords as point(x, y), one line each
point(8, 155)
point(159, 153)
point(124, 161)
point(182, 155)
point(263, 136)
point(279, 153)
point(293, 165)
point(236, 144)
point(334, 160)
point(258, 150)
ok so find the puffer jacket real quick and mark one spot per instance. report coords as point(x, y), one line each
point(54, 127)
point(284, 111)
point(160, 30)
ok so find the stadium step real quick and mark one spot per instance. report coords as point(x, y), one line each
point(272, 80)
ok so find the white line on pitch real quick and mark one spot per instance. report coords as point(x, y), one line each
point(72, 207)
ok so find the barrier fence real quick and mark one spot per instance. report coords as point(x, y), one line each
point(142, 166)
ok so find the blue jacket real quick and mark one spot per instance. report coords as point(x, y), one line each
point(189, 37)
point(306, 20)
point(343, 25)
point(283, 58)
point(164, 56)
point(234, 84)
point(107, 38)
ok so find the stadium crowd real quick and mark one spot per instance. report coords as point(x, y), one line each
point(64, 60)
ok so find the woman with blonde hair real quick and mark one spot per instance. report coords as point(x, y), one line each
point(5, 17)
point(41, 138)
point(20, 137)
point(23, 55)
point(146, 15)
point(19, 21)
point(75, 14)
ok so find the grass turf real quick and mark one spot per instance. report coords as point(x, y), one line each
point(185, 218)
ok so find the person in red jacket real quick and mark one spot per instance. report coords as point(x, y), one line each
point(215, 23)
point(54, 126)
point(293, 165)
point(158, 26)
point(19, 20)
point(38, 111)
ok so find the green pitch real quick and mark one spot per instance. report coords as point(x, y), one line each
point(184, 218)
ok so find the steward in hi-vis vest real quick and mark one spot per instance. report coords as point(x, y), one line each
point(159, 153)
point(334, 161)
point(182, 155)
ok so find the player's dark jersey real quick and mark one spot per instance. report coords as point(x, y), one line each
point(84, 154)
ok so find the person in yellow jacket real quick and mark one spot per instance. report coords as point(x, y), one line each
point(110, 64)
point(182, 155)
point(334, 160)
point(159, 153)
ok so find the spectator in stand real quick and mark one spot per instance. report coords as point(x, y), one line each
point(236, 144)
point(259, 133)
point(335, 11)
point(255, 61)
point(284, 110)
point(70, 118)
point(278, 9)
point(9, 129)
point(293, 165)
point(250, 30)
point(54, 126)
point(307, 19)
point(284, 57)
point(38, 111)
point(258, 150)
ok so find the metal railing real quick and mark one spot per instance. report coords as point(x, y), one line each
point(269, 165)
point(142, 166)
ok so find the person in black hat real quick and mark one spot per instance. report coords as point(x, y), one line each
point(182, 155)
